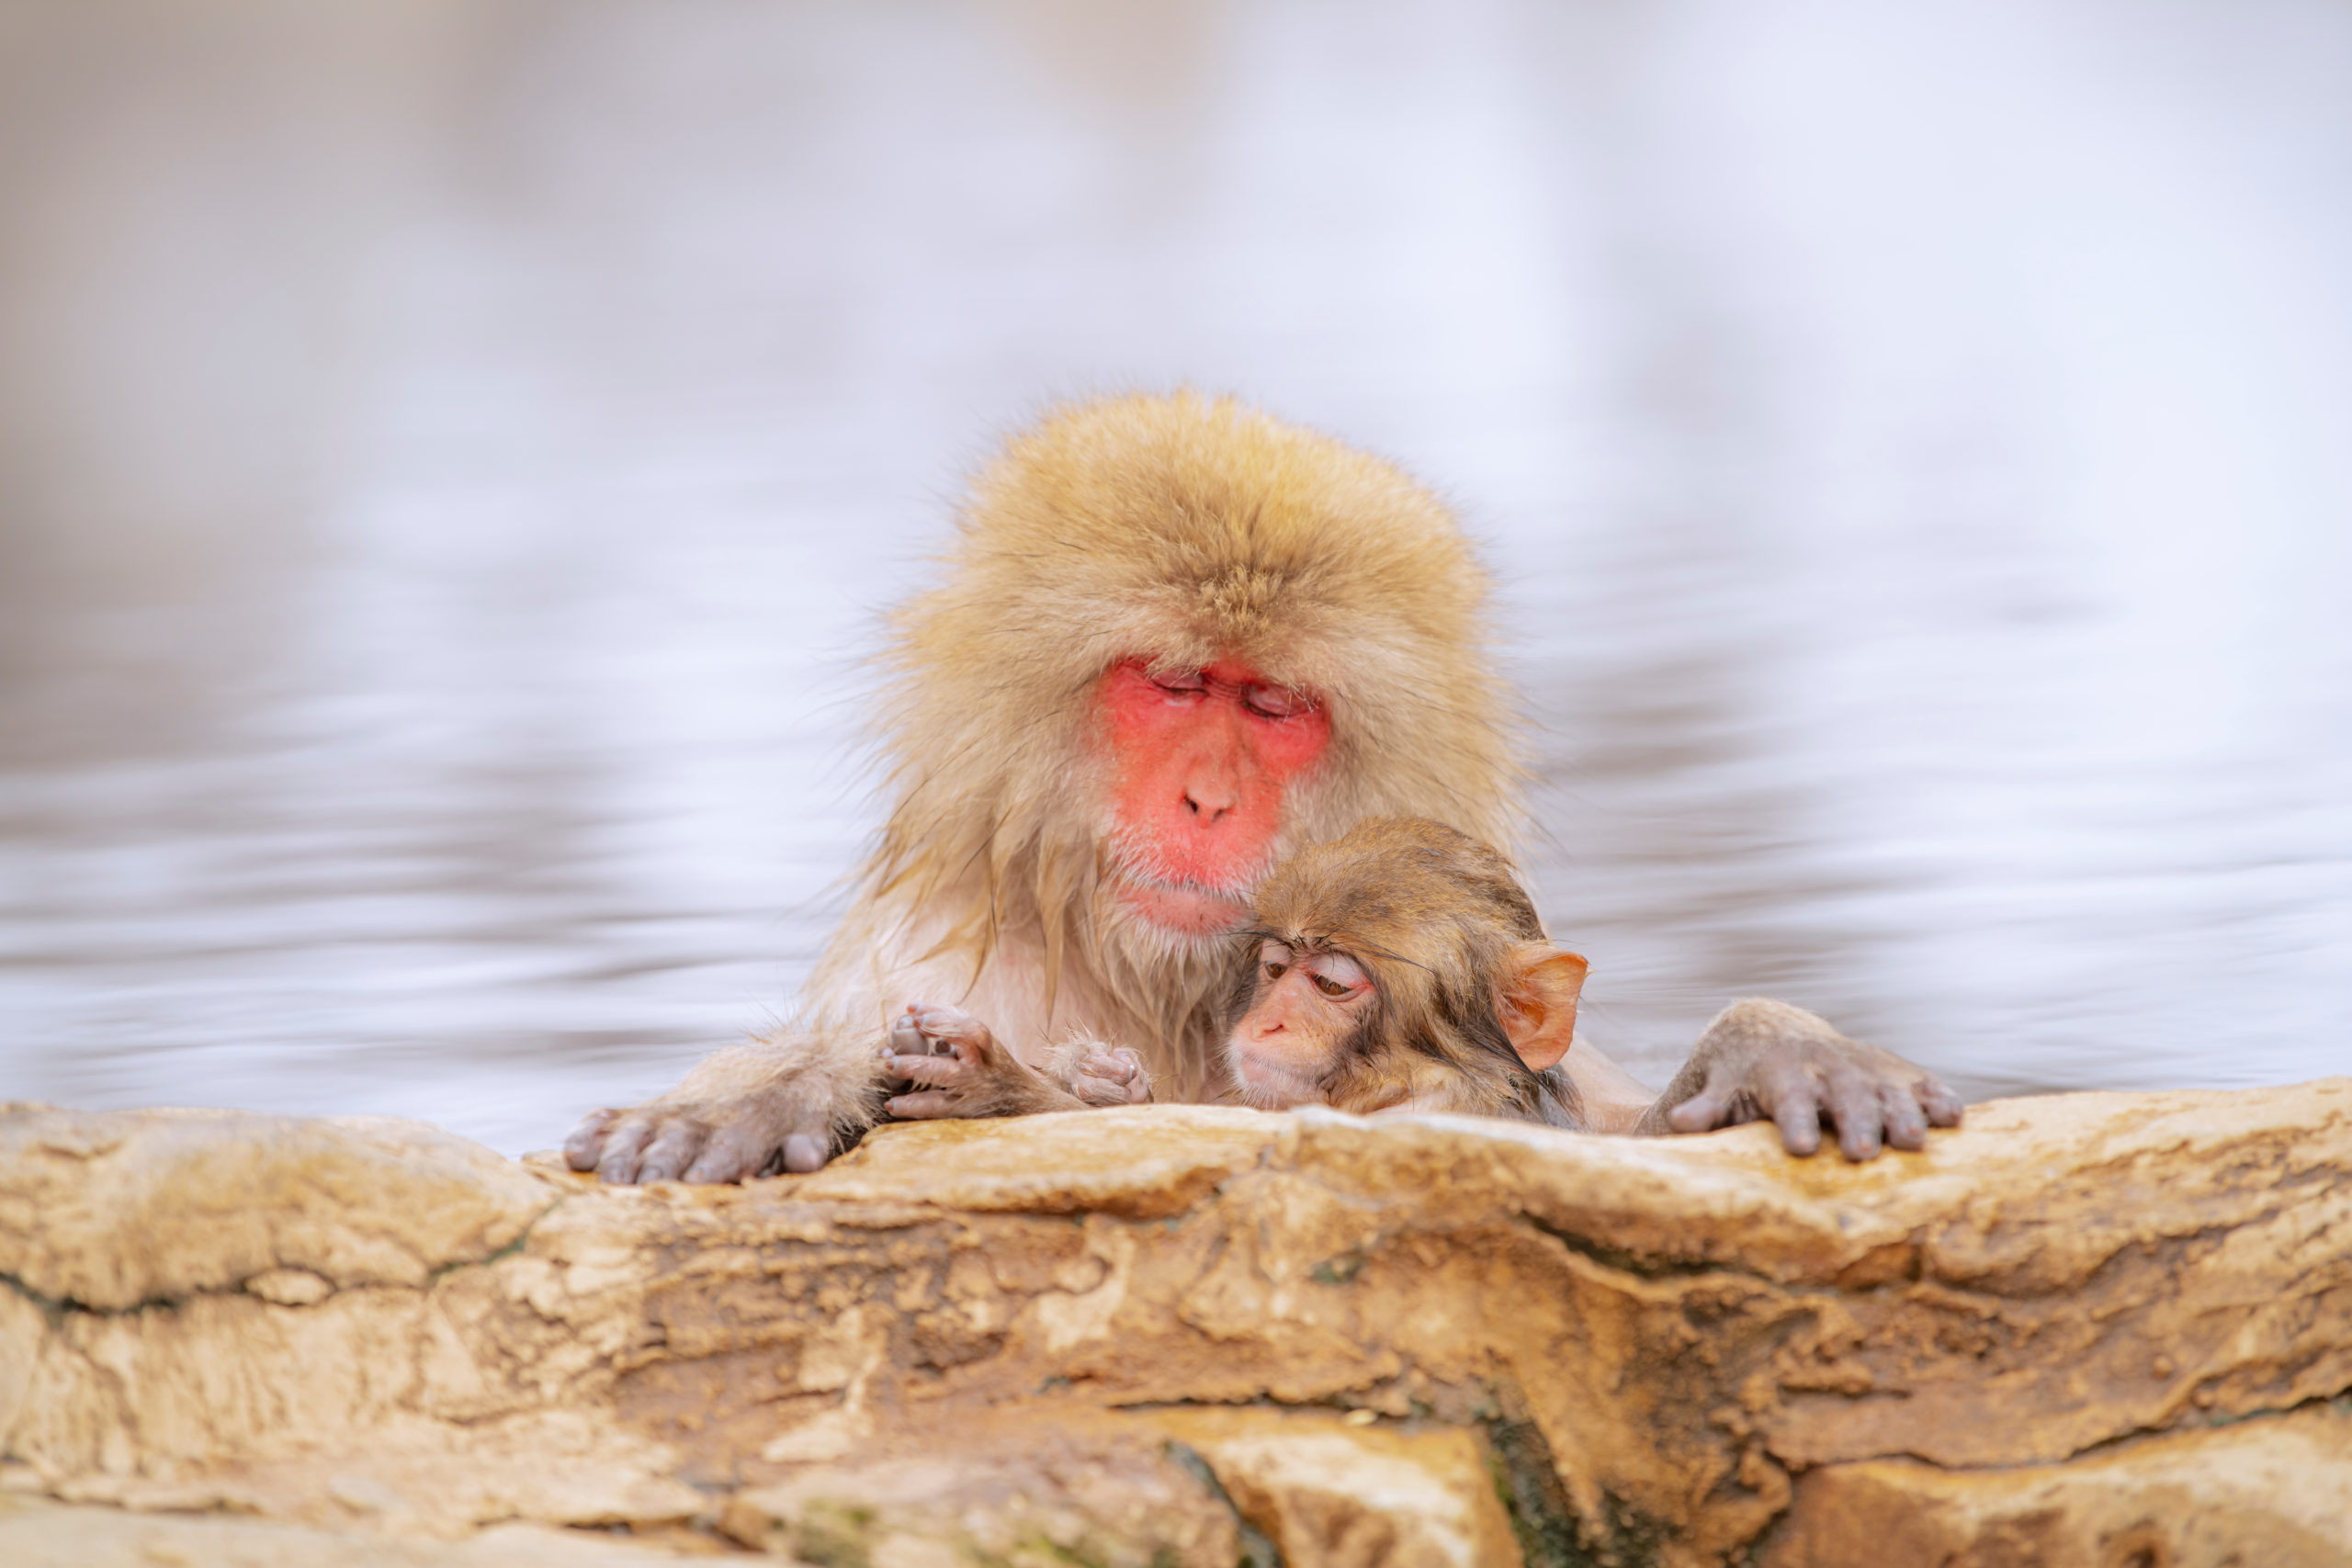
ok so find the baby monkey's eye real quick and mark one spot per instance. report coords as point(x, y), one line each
point(1336, 976)
point(1276, 971)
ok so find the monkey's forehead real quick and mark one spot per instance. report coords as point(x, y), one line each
point(1372, 942)
point(1332, 905)
point(1405, 884)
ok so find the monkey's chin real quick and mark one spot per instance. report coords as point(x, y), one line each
point(1184, 914)
point(1269, 1086)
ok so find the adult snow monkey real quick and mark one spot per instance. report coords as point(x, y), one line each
point(1177, 639)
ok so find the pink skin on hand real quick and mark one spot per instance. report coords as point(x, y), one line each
point(1202, 760)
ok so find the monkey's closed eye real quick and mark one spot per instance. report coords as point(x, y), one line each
point(1329, 987)
point(1277, 702)
point(1181, 682)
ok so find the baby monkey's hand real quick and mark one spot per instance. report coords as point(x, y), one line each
point(1100, 1074)
point(958, 1069)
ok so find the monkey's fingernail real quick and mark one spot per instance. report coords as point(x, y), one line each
point(804, 1152)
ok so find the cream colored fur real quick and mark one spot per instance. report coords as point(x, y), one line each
point(1184, 530)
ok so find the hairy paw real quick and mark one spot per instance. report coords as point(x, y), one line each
point(964, 1072)
point(958, 1072)
point(740, 1115)
point(1766, 1060)
point(1102, 1075)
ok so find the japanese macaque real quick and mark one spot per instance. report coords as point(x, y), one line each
point(1402, 968)
point(1176, 640)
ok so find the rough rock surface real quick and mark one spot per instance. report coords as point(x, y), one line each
point(2113, 1330)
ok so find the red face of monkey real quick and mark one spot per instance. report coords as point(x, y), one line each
point(1202, 761)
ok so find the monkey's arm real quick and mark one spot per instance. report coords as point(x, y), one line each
point(978, 1075)
point(1610, 1098)
point(1762, 1060)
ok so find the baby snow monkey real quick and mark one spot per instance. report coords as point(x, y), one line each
point(1402, 968)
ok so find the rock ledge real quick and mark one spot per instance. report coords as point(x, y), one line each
point(2113, 1330)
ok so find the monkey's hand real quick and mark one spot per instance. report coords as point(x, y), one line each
point(1764, 1059)
point(1100, 1074)
point(976, 1076)
point(749, 1110)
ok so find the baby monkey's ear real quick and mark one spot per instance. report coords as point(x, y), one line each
point(1538, 1004)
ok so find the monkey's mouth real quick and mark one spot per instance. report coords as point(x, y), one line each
point(1180, 908)
point(1270, 1085)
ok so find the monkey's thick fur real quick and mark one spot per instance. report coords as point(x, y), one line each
point(1184, 530)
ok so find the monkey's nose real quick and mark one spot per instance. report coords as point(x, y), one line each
point(1210, 811)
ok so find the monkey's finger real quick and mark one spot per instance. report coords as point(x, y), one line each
point(1121, 1066)
point(808, 1148)
point(1942, 1105)
point(586, 1144)
point(930, 1105)
point(1110, 1085)
point(1796, 1105)
point(1707, 1110)
point(936, 1072)
point(1907, 1125)
point(1121, 1077)
point(619, 1162)
point(1854, 1105)
point(963, 1035)
point(731, 1154)
point(673, 1149)
point(946, 1022)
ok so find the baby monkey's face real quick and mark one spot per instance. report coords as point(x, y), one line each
point(1399, 966)
point(1305, 1008)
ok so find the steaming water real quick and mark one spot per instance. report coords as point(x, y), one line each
point(452, 457)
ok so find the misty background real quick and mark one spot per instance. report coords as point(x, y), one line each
point(453, 457)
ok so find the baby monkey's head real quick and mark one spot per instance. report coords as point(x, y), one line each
point(1402, 965)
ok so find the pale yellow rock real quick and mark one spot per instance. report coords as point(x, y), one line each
point(2272, 1492)
point(1333, 1493)
point(1159, 1334)
point(1118, 1501)
point(40, 1534)
point(290, 1287)
point(107, 1211)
